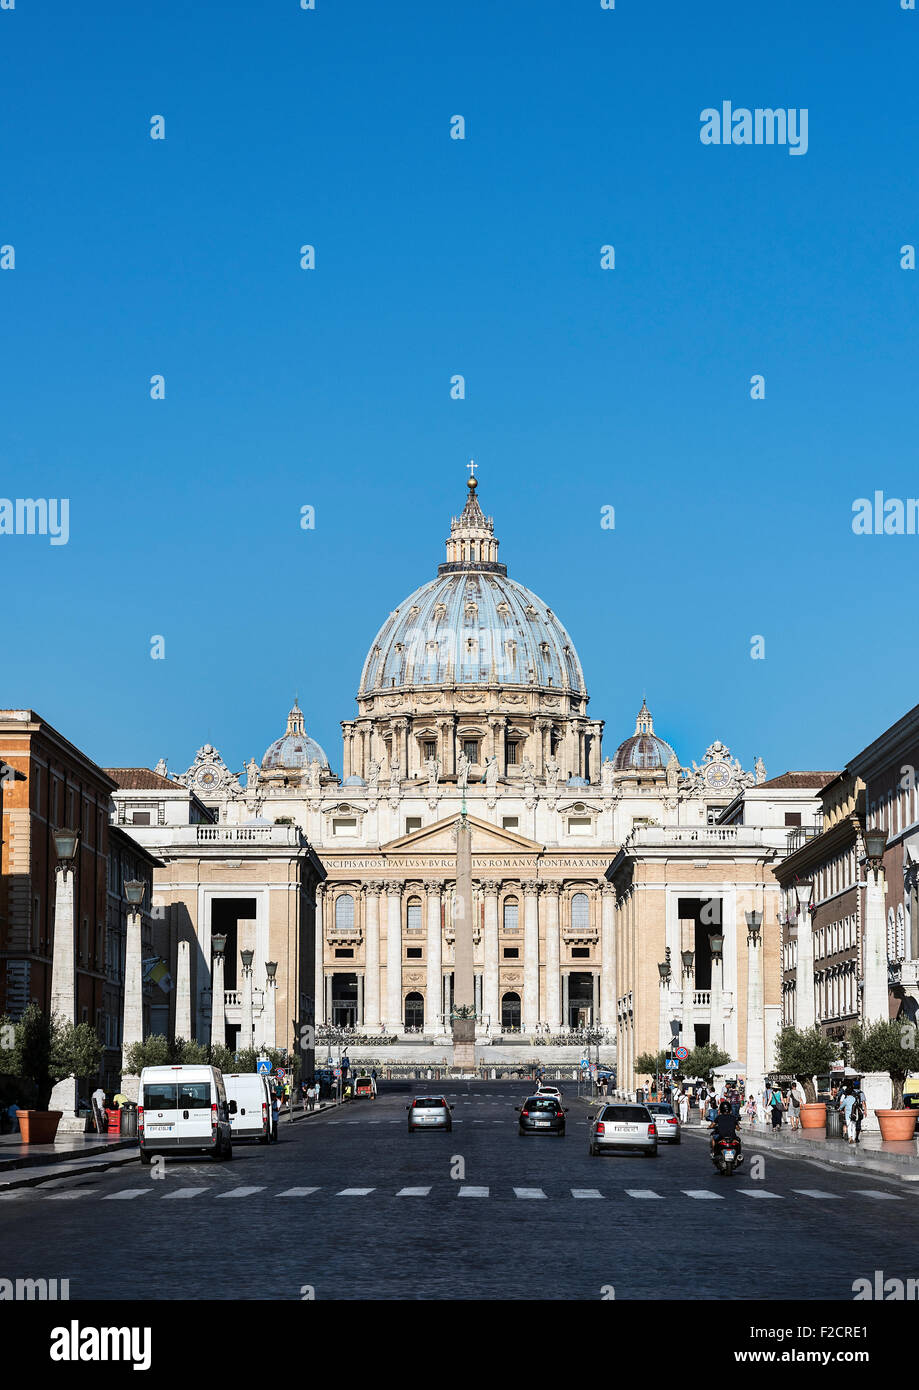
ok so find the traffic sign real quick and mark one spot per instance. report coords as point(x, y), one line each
point(584, 1062)
point(281, 1073)
point(264, 1066)
point(670, 1063)
point(336, 1071)
point(682, 1053)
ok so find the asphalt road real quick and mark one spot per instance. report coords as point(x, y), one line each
point(349, 1205)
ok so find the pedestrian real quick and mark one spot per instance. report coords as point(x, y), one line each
point(847, 1105)
point(735, 1104)
point(684, 1108)
point(13, 1117)
point(776, 1107)
point(794, 1109)
point(750, 1109)
point(861, 1101)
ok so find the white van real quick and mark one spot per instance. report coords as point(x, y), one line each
point(249, 1102)
point(183, 1109)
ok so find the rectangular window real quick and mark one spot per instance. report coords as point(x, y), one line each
point(510, 822)
point(412, 823)
point(579, 825)
point(580, 952)
point(511, 753)
point(430, 749)
point(792, 817)
point(413, 953)
point(471, 749)
point(140, 818)
point(344, 953)
point(413, 915)
point(511, 953)
point(344, 826)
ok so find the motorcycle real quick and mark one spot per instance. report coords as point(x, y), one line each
point(727, 1155)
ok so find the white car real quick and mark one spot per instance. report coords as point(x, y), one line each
point(183, 1109)
point(624, 1125)
point(549, 1091)
point(249, 1103)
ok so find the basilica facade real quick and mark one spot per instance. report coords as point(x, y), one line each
point(472, 701)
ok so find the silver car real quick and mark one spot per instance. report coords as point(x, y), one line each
point(669, 1129)
point(429, 1112)
point(623, 1126)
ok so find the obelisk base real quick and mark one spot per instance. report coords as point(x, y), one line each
point(464, 1044)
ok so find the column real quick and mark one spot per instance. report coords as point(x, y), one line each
point(530, 957)
point(874, 999)
point(64, 978)
point(595, 1002)
point(360, 1001)
point(804, 975)
point(447, 1002)
point(435, 991)
point(716, 1033)
point(270, 1015)
point(218, 1003)
point(477, 990)
point(565, 1015)
point(348, 730)
point(688, 1037)
point(491, 1001)
point(539, 747)
point(372, 893)
point(245, 1033)
point(448, 762)
point(756, 1048)
point(608, 956)
point(183, 1028)
point(132, 1029)
point(553, 957)
point(663, 1029)
point(319, 1012)
point(327, 986)
point(395, 1023)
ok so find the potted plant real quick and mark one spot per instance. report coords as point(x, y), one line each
point(805, 1054)
point(44, 1050)
point(889, 1046)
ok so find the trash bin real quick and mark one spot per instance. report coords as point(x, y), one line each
point(834, 1123)
point(128, 1123)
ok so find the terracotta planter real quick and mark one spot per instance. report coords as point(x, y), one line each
point(38, 1126)
point(813, 1115)
point(897, 1125)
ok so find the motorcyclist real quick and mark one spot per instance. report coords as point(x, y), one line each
point(726, 1126)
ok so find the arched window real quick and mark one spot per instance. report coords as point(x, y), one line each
point(510, 1012)
point(413, 914)
point(580, 912)
point(344, 912)
point(414, 1011)
point(511, 914)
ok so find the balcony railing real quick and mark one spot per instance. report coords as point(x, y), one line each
point(801, 834)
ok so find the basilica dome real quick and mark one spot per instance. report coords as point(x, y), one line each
point(645, 751)
point(472, 625)
point(295, 748)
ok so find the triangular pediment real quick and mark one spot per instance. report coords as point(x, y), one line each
point(440, 838)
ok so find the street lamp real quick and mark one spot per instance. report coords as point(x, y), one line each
point(246, 958)
point(688, 958)
point(754, 925)
point(875, 845)
point(664, 969)
point(218, 944)
point(218, 997)
point(716, 942)
point(65, 845)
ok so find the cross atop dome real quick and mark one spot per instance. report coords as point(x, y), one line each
point(295, 719)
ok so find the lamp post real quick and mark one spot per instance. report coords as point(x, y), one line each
point(756, 1043)
point(64, 957)
point(246, 1032)
point(218, 998)
point(665, 971)
point(271, 988)
point(132, 1027)
point(804, 973)
point(716, 1013)
point(874, 999)
point(689, 1032)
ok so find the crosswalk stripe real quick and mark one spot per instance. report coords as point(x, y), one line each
point(879, 1196)
point(240, 1192)
point(758, 1192)
point(355, 1192)
point(585, 1192)
point(126, 1195)
point(65, 1196)
point(816, 1192)
point(703, 1194)
point(298, 1191)
point(413, 1192)
point(473, 1192)
point(642, 1192)
point(528, 1192)
point(186, 1192)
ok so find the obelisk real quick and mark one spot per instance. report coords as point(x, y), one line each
point(463, 977)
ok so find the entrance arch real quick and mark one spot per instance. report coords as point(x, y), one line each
point(414, 1011)
point(510, 1012)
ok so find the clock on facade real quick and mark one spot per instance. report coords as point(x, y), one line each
point(206, 777)
point(717, 775)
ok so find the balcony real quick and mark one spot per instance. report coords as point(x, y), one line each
point(247, 834)
point(800, 835)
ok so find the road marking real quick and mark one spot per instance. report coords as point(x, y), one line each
point(815, 1192)
point(65, 1196)
point(703, 1194)
point(585, 1192)
point(413, 1192)
point(758, 1192)
point(354, 1192)
point(240, 1192)
point(528, 1192)
point(478, 1122)
point(298, 1191)
point(879, 1196)
point(642, 1192)
point(126, 1195)
point(473, 1192)
point(184, 1192)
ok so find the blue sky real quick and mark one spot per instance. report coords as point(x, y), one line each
point(482, 257)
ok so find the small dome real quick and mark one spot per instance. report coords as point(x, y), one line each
point(295, 749)
point(354, 781)
point(577, 782)
point(644, 751)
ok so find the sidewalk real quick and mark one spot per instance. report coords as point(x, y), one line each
point(872, 1153)
point(84, 1153)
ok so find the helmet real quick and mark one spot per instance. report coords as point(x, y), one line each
point(724, 1108)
